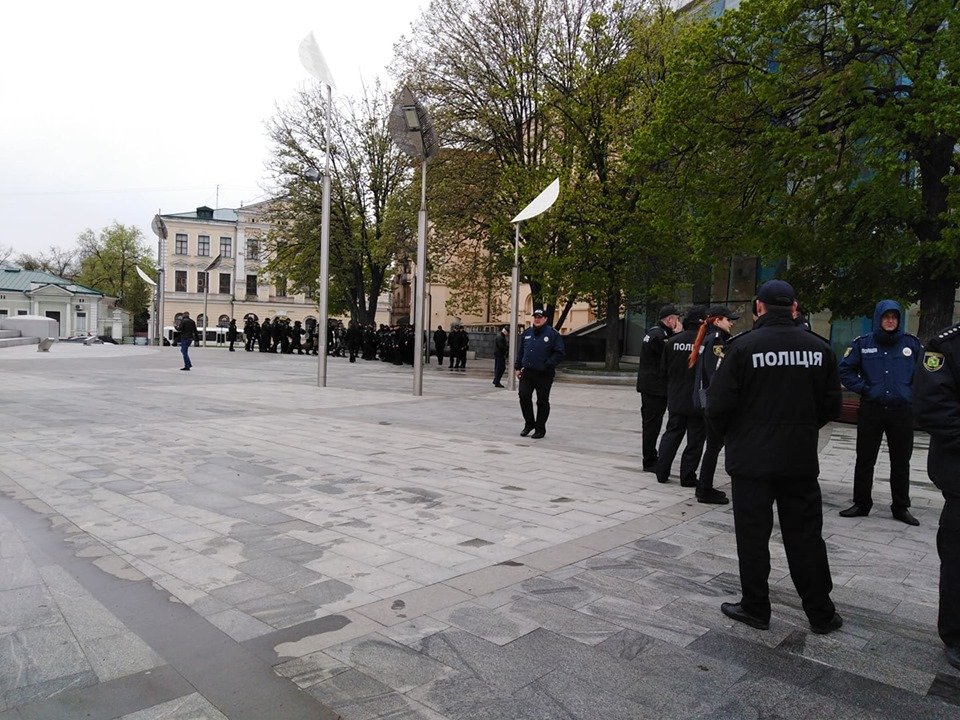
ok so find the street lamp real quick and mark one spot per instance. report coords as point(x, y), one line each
point(316, 65)
point(413, 132)
point(541, 203)
point(160, 230)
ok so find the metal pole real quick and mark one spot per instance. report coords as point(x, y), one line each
point(206, 292)
point(514, 309)
point(419, 299)
point(324, 252)
point(150, 326)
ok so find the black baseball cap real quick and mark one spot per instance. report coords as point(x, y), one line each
point(666, 311)
point(777, 292)
point(722, 311)
point(696, 314)
point(539, 312)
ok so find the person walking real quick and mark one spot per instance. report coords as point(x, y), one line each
point(500, 348)
point(188, 330)
point(775, 387)
point(651, 385)
point(541, 350)
point(232, 334)
point(937, 408)
point(704, 357)
point(879, 367)
point(684, 419)
point(439, 343)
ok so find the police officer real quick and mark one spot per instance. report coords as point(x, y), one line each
point(541, 350)
point(685, 419)
point(651, 384)
point(879, 367)
point(775, 387)
point(937, 406)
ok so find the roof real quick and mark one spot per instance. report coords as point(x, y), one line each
point(15, 279)
point(219, 215)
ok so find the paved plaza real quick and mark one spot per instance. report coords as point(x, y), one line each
point(235, 542)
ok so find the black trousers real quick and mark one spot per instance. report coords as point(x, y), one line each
point(439, 355)
point(695, 428)
point(499, 367)
point(708, 465)
point(540, 381)
point(800, 510)
point(948, 541)
point(652, 410)
point(873, 421)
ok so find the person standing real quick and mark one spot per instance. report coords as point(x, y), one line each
point(685, 418)
point(651, 385)
point(704, 357)
point(188, 330)
point(232, 333)
point(879, 367)
point(250, 333)
point(453, 341)
point(500, 348)
point(937, 407)
point(354, 339)
point(439, 343)
point(775, 387)
point(296, 337)
point(266, 332)
point(541, 350)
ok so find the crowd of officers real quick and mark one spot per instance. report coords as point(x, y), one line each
point(765, 394)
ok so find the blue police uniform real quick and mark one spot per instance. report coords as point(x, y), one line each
point(880, 368)
point(541, 350)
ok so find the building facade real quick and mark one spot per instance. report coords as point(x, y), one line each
point(78, 309)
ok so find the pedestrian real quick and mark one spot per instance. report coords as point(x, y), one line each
point(879, 367)
point(354, 339)
point(453, 341)
point(685, 419)
point(251, 332)
point(232, 333)
point(500, 348)
point(937, 407)
point(439, 343)
point(462, 347)
point(775, 387)
point(188, 330)
point(541, 350)
point(296, 338)
point(704, 357)
point(651, 384)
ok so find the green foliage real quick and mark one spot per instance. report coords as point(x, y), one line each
point(108, 263)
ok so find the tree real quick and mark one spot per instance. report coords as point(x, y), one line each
point(108, 263)
point(368, 174)
point(58, 261)
point(825, 132)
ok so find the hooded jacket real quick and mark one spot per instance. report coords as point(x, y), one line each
point(880, 366)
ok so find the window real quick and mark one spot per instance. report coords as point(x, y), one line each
point(201, 282)
point(224, 283)
point(22, 312)
point(81, 322)
point(224, 321)
point(203, 245)
point(253, 249)
point(251, 285)
point(180, 281)
point(226, 247)
point(3, 313)
point(281, 287)
point(180, 248)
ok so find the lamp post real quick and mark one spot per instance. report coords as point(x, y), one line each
point(160, 230)
point(153, 296)
point(413, 132)
point(540, 204)
point(315, 64)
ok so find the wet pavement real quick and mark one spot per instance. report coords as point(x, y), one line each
point(235, 542)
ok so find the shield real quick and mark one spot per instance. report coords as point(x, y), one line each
point(932, 361)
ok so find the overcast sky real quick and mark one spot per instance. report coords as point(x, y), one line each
point(115, 110)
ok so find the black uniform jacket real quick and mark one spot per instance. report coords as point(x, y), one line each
point(775, 387)
point(649, 379)
point(676, 356)
point(936, 404)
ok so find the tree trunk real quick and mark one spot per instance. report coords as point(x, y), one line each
point(937, 296)
point(612, 357)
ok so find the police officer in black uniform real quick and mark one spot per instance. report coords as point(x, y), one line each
point(651, 384)
point(541, 350)
point(937, 408)
point(685, 418)
point(775, 387)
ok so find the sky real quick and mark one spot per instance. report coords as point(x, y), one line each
point(113, 111)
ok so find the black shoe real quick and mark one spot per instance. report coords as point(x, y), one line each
point(498, 385)
point(736, 612)
point(953, 656)
point(712, 497)
point(855, 511)
point(662, 478)
point(538, 434)
point(904, 516)
point(650, 467)
point(527, 429)
point(834, 623)
point(184, 368)
point(688, 483)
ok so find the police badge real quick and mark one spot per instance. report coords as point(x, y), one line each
point(932, 361)
point(718, 350)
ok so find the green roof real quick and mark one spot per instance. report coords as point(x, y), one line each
point(15, 279)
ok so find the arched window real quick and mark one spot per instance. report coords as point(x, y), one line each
point(224, 321)
point(201, 320)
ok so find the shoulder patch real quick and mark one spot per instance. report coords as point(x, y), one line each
point(847, 351)
point(949, 333)
point(932, 361)
point(717, 350)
